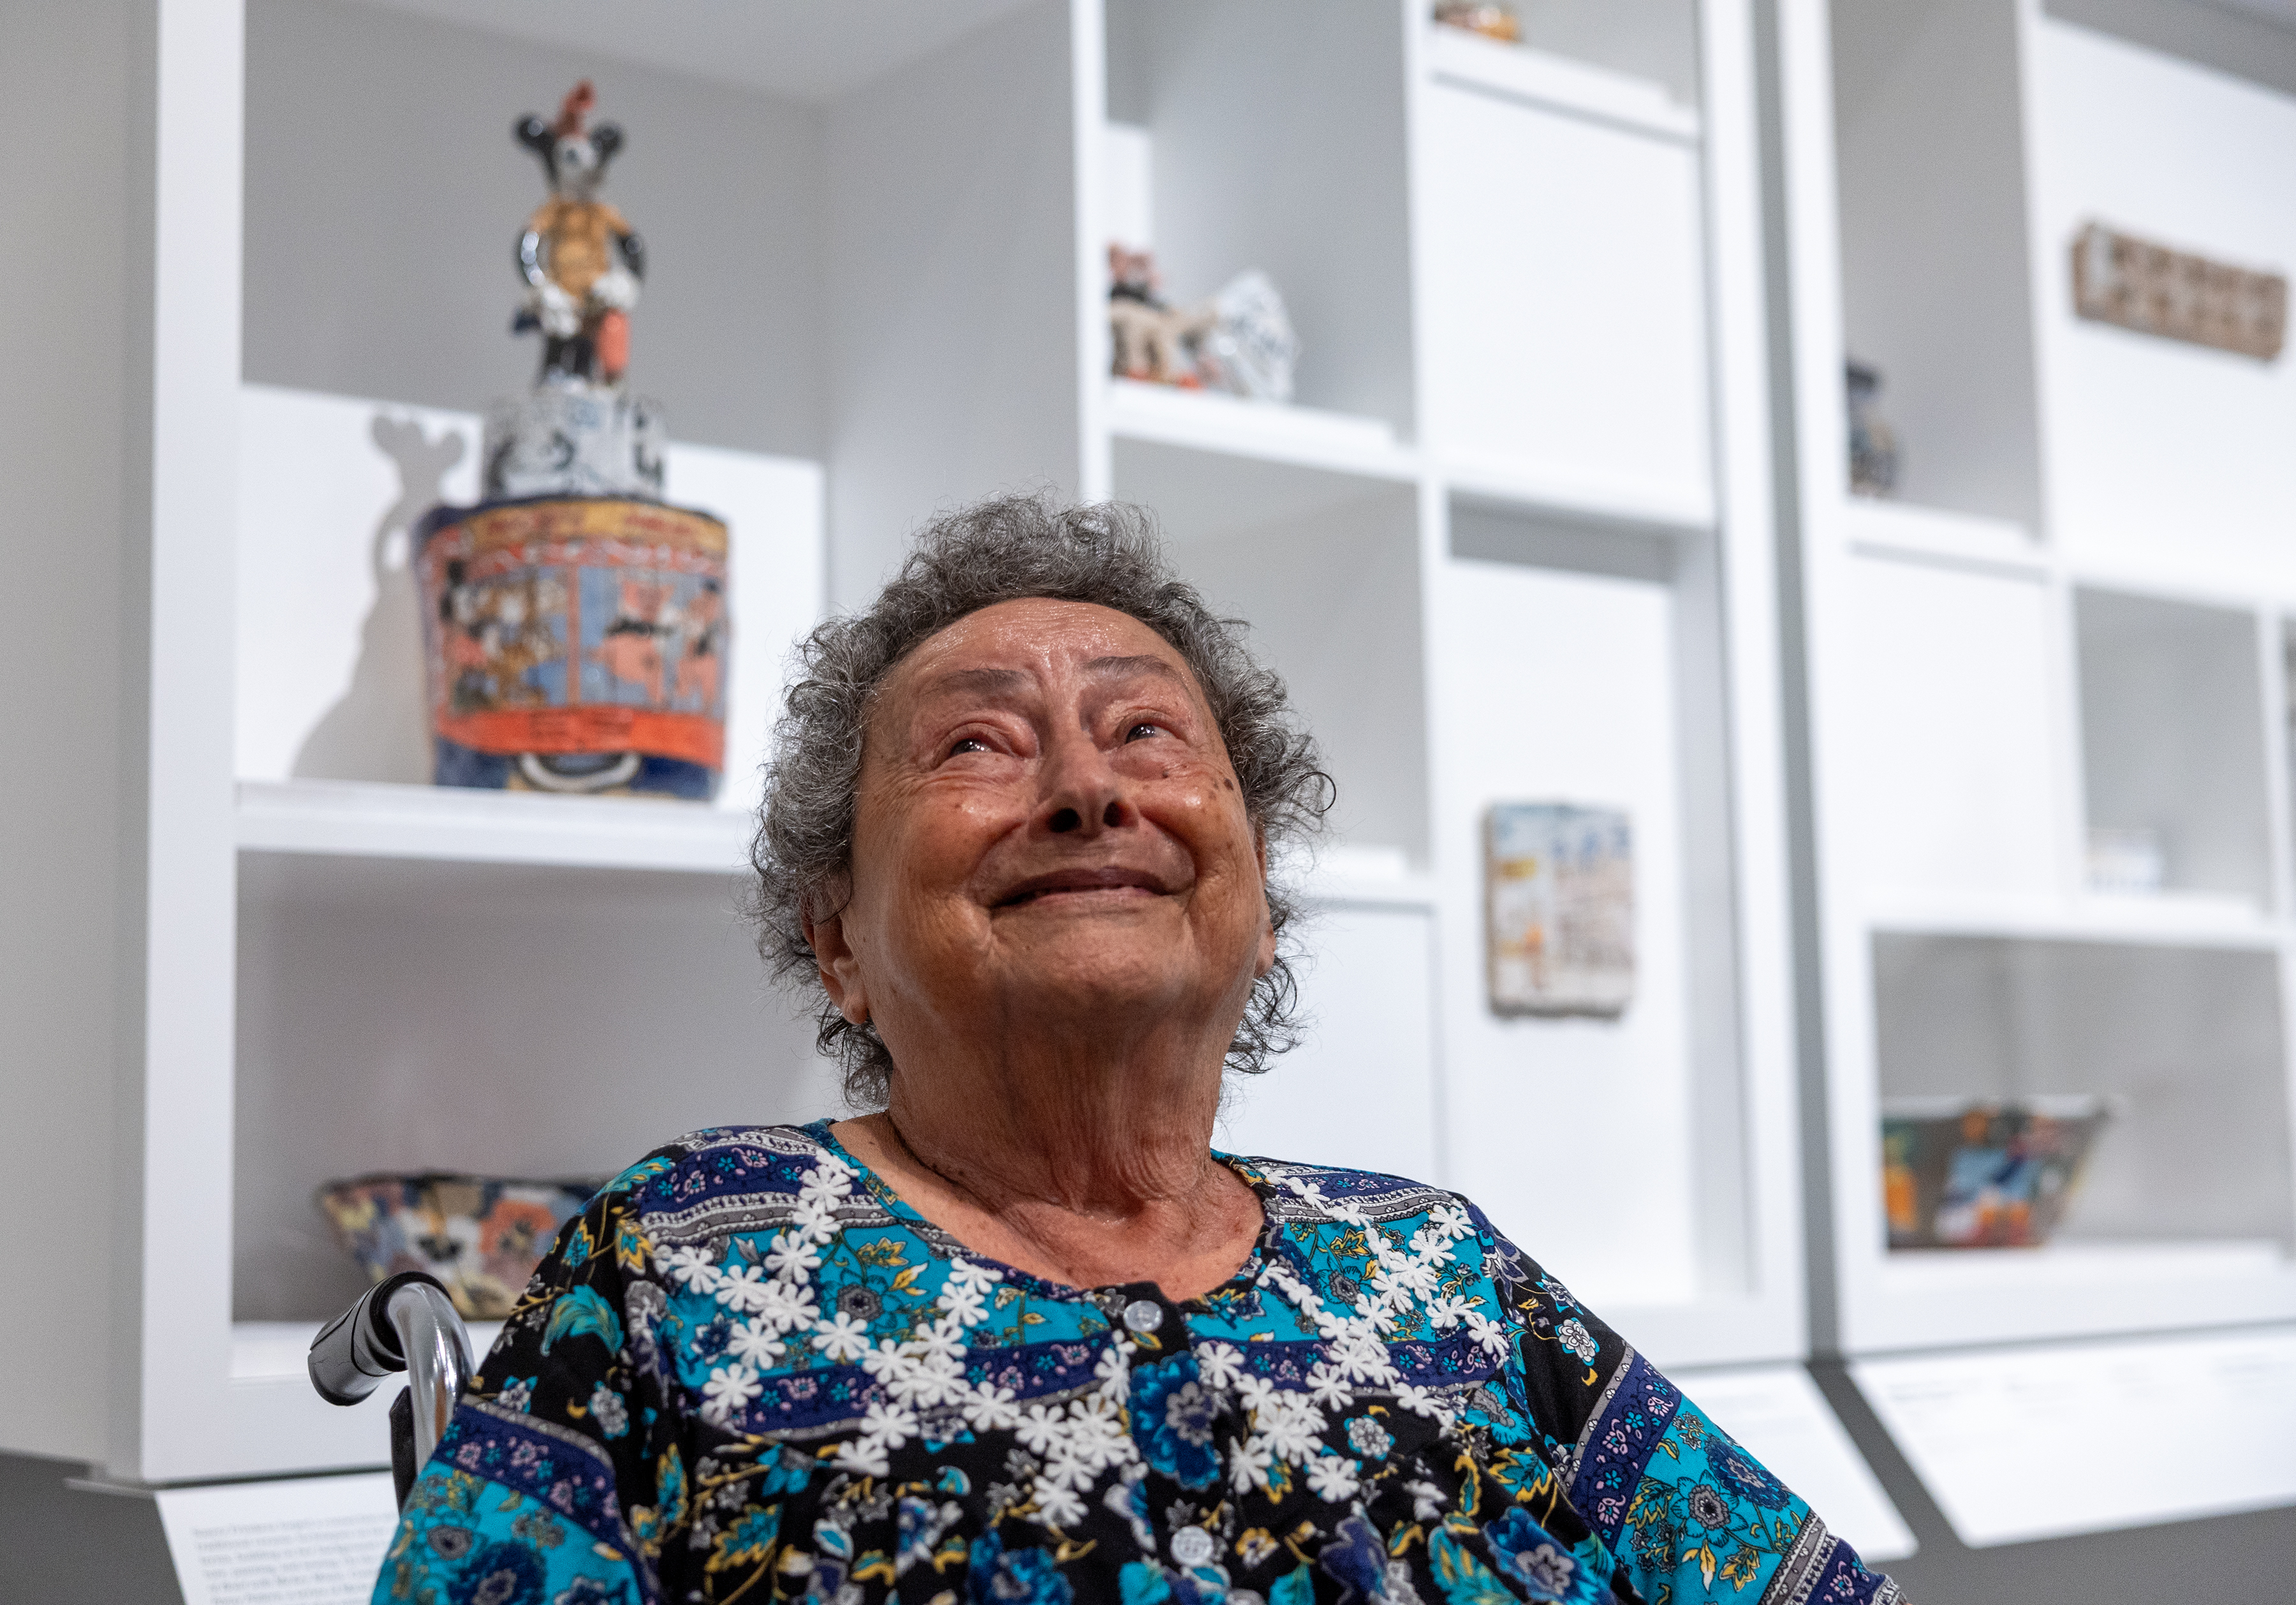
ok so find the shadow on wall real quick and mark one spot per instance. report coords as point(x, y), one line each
point(377, 729)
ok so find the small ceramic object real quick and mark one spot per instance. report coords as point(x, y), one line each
point(578, 431)
point(1240, 341)
point(1249, 348)
point(2126, 859)
point(582, 261)
point(576, 644)
point(1150, 340)
point(1560, 896)
point(1872, 443)
point(1492, 21)
point(1963, 1173)
point(480, 1236)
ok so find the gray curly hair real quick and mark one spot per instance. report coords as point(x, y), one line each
point(1009, 549)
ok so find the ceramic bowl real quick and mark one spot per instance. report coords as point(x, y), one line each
point(481, 1235)
point(1961, 1174)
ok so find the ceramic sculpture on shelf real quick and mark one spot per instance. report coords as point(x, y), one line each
point(1872, 443)
point(576, 428)
point(1482, 17)
point(1240, 341)
point(1152, 341)
point(576, 626)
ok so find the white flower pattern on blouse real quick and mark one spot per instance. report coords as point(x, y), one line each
point(749, 1371)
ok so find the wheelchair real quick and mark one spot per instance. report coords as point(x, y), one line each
point(408, 1324)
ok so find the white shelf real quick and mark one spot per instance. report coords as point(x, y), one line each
point(265, 1350)
point(355, 820)
point(1900, 529)
point(1303, 437)
point(1976, 1273)
point(1575, 498)
point(2171, 919)
point(1557, 83)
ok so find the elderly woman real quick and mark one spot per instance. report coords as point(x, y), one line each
point(1021, 1335)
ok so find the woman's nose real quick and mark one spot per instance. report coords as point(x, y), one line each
point(1083, 794)
point(1065, 819)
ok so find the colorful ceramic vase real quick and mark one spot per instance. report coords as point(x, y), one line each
point(576, 644)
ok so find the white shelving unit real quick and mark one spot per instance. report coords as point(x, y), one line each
point(879, 289)
point(2069, 620)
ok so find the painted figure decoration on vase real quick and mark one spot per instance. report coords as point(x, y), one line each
point(576, 624)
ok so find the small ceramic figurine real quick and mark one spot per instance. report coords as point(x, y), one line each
point(1872, 443)
point(1240, 341)
point(579, 428)
point(1152, 341)
point(1492, 21)
point(579, 294)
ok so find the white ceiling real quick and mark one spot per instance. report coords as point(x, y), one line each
point(810, 50)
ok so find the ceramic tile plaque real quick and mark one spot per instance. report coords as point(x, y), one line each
point(2120, 279)
point(1559, 889)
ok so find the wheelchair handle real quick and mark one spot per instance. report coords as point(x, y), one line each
point(405, 1324)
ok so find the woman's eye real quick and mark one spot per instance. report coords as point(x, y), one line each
point(1143, 730)
point(967, 743)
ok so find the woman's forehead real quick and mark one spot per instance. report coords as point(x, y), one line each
point(1035, 636)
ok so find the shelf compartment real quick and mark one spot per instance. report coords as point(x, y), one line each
point(498, 1020)
point(2173, 737)
point(1581, 665)
point(1278, 141)
point(2189, 1040)
point(1563, 296)
point(404, 285)
point(1543, 78)
point(1936, 268)
point(1942, 705)
point(329, 674)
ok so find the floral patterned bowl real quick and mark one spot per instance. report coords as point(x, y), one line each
point(1967, 1173)
point(481, 1235)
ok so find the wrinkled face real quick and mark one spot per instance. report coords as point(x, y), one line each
point(1048, 821)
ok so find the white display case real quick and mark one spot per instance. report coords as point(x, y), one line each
point(878, 288)
point(2065, 626)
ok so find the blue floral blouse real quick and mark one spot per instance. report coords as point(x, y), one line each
point(749, 1371)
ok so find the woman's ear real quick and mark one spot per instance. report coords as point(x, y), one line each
point(1265, 960)
point(840, 967)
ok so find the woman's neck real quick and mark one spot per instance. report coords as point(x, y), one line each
point(1073, 1178)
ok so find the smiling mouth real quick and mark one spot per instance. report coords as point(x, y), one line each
point(1092, 884)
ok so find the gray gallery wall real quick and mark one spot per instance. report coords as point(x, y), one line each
point(379, 248)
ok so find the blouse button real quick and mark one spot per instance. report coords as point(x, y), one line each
point(1191, 1545)
point(1144, 1315)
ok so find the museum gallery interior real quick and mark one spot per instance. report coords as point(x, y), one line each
point(1780, 516)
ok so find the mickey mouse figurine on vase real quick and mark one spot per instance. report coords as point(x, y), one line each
point(575, 626)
